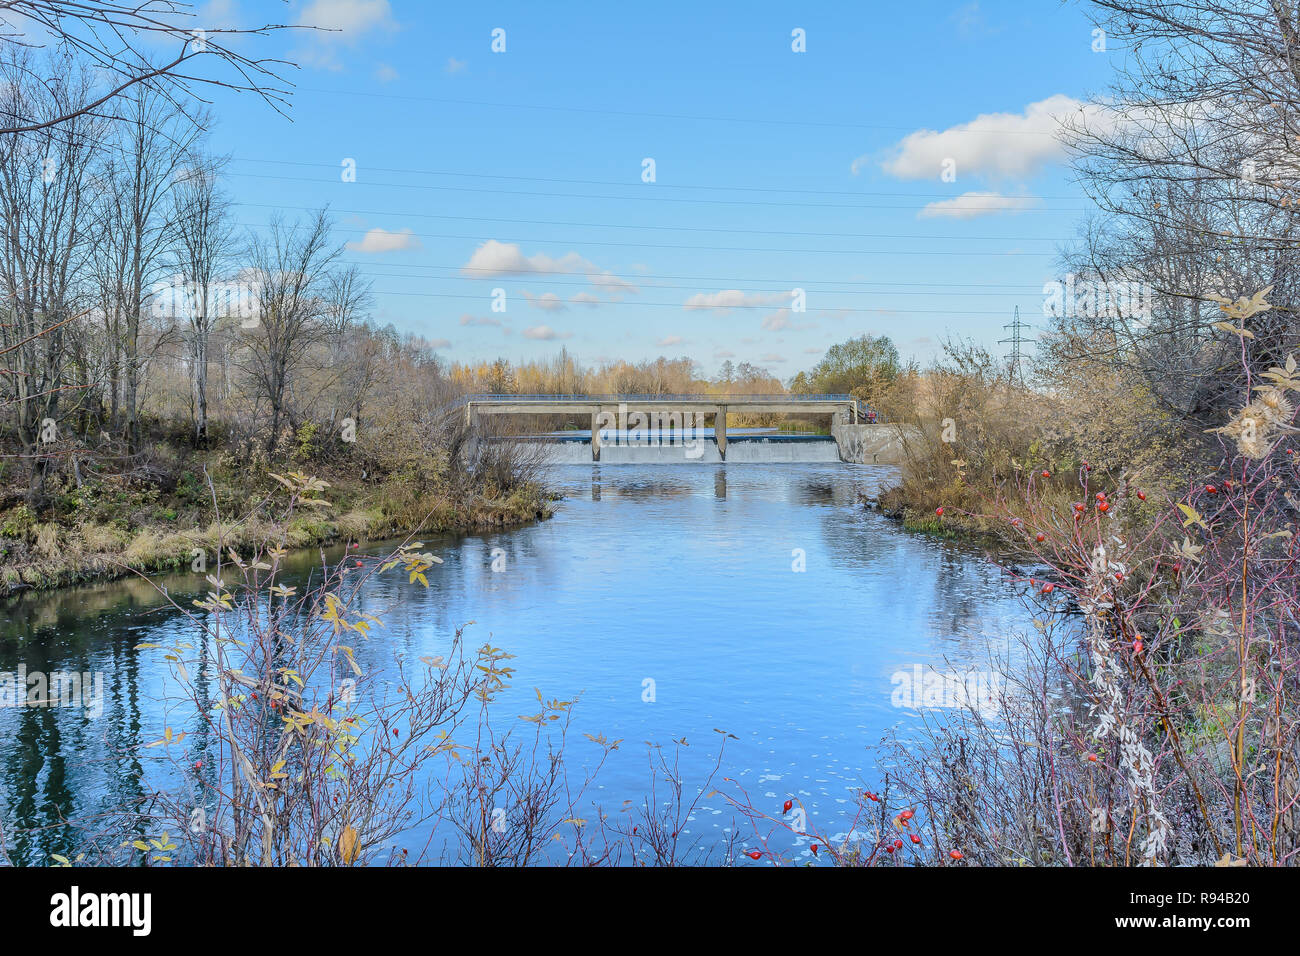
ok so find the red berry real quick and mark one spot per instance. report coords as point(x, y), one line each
point(1078, 506)
point(939, 512)
point(1210, 490)
point(955, 854)
point(890, 848)
point(1137, 646)
point(1104, 506)
point(898, 844)
point(1046, 473)
point(1141, 496)
point(788, 805)
point(915, 838)
point(1119, 577)
point(814, 849)
point(754, 854)
point(1040, 537)
point(1048, 588)
point(1092, 758)
point(906, 815)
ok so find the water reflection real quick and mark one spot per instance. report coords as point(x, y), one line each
point(758, 598)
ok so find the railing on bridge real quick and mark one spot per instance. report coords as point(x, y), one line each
point(865, 414)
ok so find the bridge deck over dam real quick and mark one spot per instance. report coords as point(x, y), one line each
point(617, 415)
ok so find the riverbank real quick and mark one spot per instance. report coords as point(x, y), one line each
point(114, 526)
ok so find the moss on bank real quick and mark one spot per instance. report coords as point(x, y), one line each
point(108, 528)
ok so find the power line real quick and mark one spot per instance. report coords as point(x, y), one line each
point(494, 273)
point(784, 121)
point(654, 245)
point(630, 185)
point(624, 225)
point(771, 306)
point(587, 282)
point(655, 199)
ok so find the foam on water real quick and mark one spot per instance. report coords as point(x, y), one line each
point(751, 450)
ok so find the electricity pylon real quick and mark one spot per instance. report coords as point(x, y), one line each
point(1015, 358)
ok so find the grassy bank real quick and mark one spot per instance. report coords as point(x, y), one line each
point(164, 517)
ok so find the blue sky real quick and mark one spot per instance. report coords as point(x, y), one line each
point(774, 170)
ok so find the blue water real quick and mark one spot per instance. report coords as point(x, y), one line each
point(681, 576)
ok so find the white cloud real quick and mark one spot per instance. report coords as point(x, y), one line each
point(1013, 145)
point(468, 319)
point(723, 354)
point(727, 299)
point(381, 240)
point(342, 23)
point(220, 14)
point(970, 21)
point(438, 343)
point(780, 320)
point(974, 204)
point(351, 18)
point(547, 302)
point(456, 66)
point(494, 258)
point(545, 333)
point(611, 283)
point(670, 340)
point(772, 357)
point(385, 73)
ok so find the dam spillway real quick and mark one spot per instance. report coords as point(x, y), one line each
point(762, 448)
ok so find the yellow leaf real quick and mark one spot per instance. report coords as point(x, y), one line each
point(348, 847)
point(1193, 516)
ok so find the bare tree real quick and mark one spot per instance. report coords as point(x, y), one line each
point(149, 154)
point(1191, 158)
point(203, 246)
point(115, 38)
point(292, 266)
point(355, 357)
point(42, 245)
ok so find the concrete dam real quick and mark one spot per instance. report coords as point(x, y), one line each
point(685, 429)
point(672, 449)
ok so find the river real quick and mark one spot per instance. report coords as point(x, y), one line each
point(759, 599)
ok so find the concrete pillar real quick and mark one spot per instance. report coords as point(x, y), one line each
point(720, 430)
point(595, 436)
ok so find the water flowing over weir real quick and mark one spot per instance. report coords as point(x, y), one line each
point(764, 448)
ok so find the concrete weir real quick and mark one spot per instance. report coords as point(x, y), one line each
point(667, 429)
